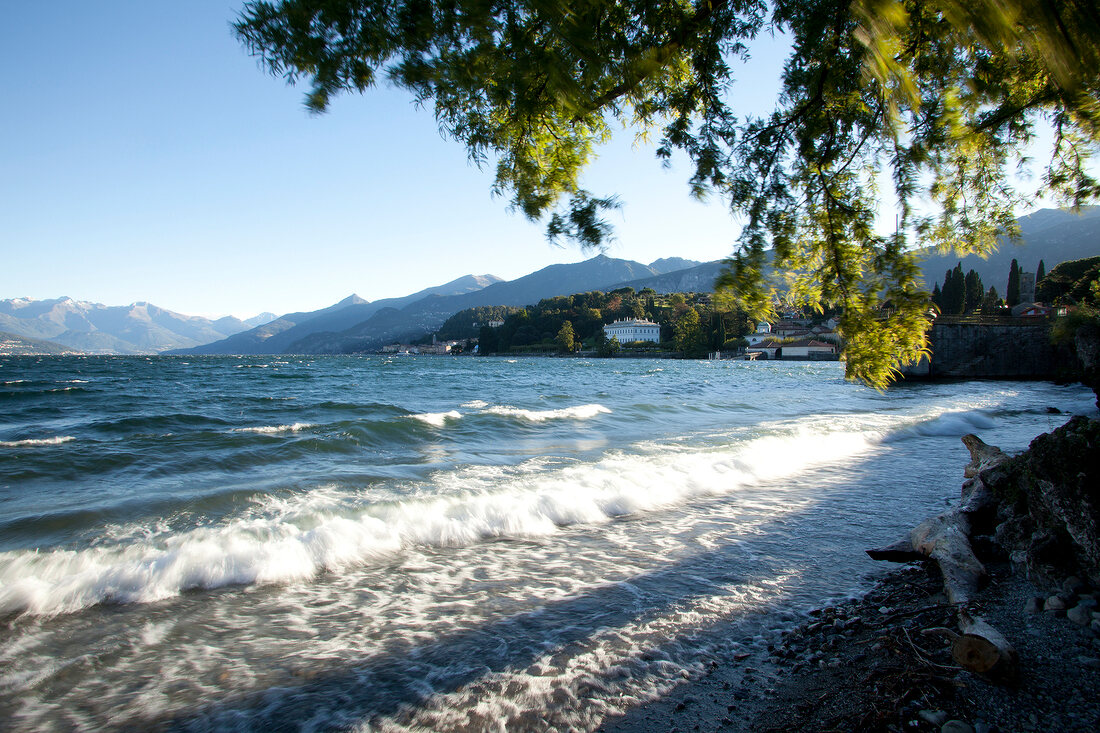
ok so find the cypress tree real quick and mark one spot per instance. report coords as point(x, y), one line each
point(954, 291)
point(1012, 296)
point(937, 296)
point(973, 291)
point(990, 301)
point(1040, 273)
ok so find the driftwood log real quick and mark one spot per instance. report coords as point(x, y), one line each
point(946, 540)
point(982, 649)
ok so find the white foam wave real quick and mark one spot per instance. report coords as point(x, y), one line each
point(950, 424)
point(292, 540)
point(437, 418)
point(579, 412)
point(475, 404)
point(276, 428)
point(56, 440)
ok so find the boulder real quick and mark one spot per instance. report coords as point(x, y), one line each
point(1050, 501)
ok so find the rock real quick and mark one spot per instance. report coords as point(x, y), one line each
point(956, 726)
point(935, 717)
point(1086, 342)
point(1049, 512)
point(1090, 662)
point(1054, 603)
point(1073, 584)
point(1080, 616)
point(1053, 411)
point(1034, 604)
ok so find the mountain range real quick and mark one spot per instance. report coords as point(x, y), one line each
point(414, 316)
point(280, 334)
point(139, 328)
point(356, 324)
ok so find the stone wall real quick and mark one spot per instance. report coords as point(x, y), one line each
point(1018, 348)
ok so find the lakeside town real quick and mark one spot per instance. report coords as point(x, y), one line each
point(645, 324)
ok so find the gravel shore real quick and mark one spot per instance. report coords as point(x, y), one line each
point(883, 663)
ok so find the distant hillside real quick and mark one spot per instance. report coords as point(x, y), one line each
point(1050, 235)
point(13, 345)
point(139, 328)
point(259, 320)
point(697, 279)
point(428, 314)
point(279, 335)
point(672, 264)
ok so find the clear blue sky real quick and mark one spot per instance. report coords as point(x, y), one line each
point(146, 156)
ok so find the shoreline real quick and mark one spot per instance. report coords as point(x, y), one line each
point(867, 664)
point(1028, 609)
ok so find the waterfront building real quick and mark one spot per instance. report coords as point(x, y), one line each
point(629, 331)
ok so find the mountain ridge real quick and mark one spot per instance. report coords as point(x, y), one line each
point(355, 323)
point(426, 315)
point(137, 328)
point(278, 335)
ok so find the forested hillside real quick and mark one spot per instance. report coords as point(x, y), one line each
point(690, 322)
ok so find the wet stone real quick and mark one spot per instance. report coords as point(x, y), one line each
point(1080, 616)
point(1073, 584)
point(935, 717)
point(956, 726)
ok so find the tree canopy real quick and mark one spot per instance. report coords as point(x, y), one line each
point(942, 97)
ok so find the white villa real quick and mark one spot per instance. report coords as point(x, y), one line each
point(633, 330)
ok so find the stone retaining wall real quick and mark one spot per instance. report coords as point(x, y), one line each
point(1000, 350)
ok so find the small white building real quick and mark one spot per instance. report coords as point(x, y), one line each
point(763, 333)
point(629, 331)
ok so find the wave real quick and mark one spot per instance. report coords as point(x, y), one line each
point(436, 418)
point(292, 540)
point(267, 429)
point(56, 440)
point(178, 421)
point(579, 412)
point(948, 424)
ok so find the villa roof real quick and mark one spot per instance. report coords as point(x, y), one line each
point(631, 322)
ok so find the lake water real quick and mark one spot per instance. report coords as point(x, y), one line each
point(195, 543)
